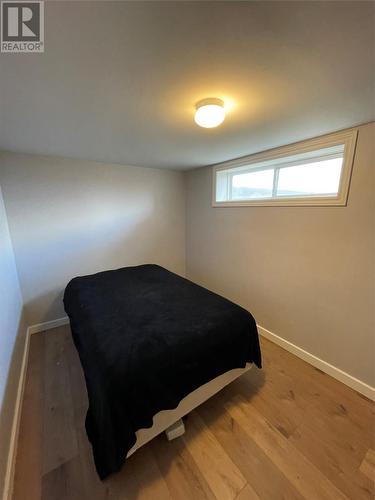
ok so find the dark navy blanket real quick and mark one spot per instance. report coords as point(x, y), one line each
point(147, 338)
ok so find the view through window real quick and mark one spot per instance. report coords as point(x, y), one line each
point(320, 174)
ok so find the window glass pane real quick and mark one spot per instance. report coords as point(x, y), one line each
point(292, 175)
point(322, 177)
point(252, 185)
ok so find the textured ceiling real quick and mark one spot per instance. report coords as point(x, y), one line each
point(118, 80)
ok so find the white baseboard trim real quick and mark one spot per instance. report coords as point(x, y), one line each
point(11, 462)
point(47, 325)
point(336, 373)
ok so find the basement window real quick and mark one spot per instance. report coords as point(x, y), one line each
point(313, 172)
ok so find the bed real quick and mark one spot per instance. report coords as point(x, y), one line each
point(153, 346)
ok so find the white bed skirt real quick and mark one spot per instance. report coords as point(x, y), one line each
point(166, 418)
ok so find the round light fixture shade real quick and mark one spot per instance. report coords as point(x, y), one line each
point(209, 112)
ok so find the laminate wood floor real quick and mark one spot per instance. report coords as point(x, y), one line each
point(285, 432)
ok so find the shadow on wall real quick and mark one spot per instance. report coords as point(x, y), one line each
point(125, 241)
point(71, 217)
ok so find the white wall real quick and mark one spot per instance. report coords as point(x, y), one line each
point(71, 217)
point(306, 273)
point(11, 328)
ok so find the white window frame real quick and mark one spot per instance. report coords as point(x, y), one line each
point(347, 138)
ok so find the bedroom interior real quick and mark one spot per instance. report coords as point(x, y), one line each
point(187, 250)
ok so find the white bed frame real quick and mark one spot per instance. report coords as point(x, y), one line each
point(171, 420)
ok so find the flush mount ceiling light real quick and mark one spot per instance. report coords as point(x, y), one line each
point(209, 112)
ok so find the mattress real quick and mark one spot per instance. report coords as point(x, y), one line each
point(147, 338)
